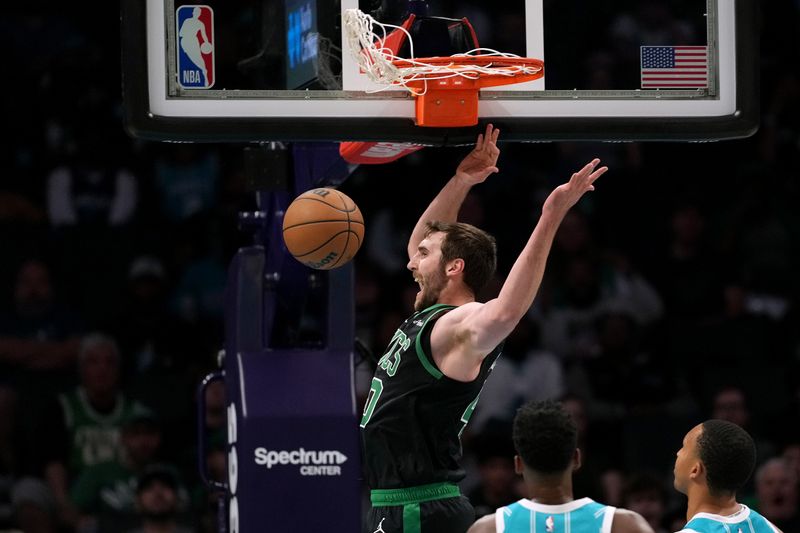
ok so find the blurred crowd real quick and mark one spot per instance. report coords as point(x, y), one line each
point(671, 294)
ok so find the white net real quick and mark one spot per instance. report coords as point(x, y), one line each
point(364, 34)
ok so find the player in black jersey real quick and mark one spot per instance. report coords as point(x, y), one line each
point(427, 383)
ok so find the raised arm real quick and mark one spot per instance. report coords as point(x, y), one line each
point(484, 326)
point(475, 168)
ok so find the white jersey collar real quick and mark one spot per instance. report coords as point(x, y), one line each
point(742, 514)
point(553, 509)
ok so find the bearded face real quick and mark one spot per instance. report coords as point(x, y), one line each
point(430, 287)
point(428, 269)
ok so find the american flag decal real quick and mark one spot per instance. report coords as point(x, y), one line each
point(670, 67)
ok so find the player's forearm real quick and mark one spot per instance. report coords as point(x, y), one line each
point(444, 208)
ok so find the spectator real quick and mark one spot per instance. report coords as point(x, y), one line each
point(645, 493)
point(105, 493)
point(38, 333)
point(730, 403)
point(92, 201)
point(39, 339)
point(84, 425)
point(91, 191)
point(776, 494)
point(158, 501)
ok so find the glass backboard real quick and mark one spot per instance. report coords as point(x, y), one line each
point(263, 70)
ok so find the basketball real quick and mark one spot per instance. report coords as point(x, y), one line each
point(206, 48)
point(323, 228)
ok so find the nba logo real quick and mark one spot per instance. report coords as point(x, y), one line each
point(195, 40)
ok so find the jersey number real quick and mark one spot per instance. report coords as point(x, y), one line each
point(375, 391)
point(391, 359)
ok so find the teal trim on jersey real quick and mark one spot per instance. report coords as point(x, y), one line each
point(409, 495)
point(411, 521)
point(423, 357)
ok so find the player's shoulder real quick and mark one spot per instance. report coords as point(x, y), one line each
point(757, 517)
point(627, 521)
point(484, 524)
point(463, 309)
point(448, 317)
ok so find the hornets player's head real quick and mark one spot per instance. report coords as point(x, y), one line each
point(453, 262)
point(717, 457)
point(546, 440)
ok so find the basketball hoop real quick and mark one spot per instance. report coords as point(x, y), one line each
point(445, 88)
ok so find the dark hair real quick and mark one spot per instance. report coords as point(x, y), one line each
point(477, 248)
point(545, 436)
point(728, 453)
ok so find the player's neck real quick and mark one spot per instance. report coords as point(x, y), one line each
point(550, 490)
point(704, 502)
point(455, 295)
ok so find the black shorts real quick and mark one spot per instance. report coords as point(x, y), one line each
point(449, 515)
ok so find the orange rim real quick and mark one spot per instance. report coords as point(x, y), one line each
point(478, 61)
point(480, 79)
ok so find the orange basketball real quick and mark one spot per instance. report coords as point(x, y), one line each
point(323, 228)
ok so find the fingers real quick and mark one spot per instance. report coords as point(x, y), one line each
point(487, 139)
point(590, 169)
point(597, 173)
point(589, 166)
point(588, 174)
point(491, 134)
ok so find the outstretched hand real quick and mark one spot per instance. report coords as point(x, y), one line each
point(481, 161)
point(566, 195)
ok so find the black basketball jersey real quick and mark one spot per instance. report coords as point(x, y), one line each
point(414, 415)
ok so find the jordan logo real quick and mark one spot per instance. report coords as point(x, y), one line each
point(380, 527)
point(195, 35)
point(549, 524)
